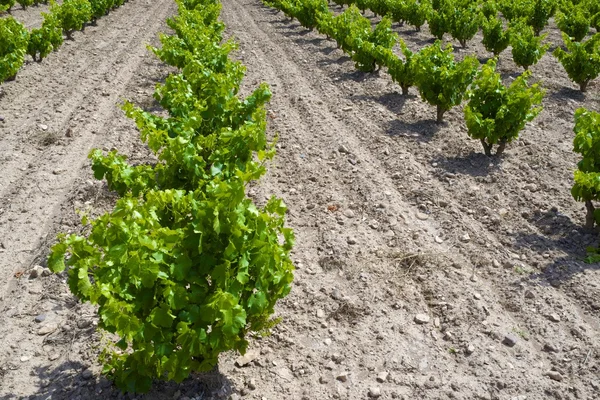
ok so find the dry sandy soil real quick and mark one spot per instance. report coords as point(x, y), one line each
point(425, 270)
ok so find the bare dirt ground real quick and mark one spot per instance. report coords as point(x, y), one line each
point(425, 269)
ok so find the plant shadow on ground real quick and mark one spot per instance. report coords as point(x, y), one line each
point(473, 164)
point(68, 380)
point(421, 131)
point(393, 101)
point(564, 92)
point(558, 233)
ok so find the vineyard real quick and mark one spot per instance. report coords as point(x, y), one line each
point(297, 199)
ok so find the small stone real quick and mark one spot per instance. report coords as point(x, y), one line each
point(470, 349)
point(382, 377)
point(496, 264)
point(510, 340)
point(521, 397)
point(351, 240)
point(374, 224)
point(342, 377)
point(348, 213)
point(247, 358)
point(550, 348)
point(46, 329)
point(421, 319)
point(374, 392)
point(554, 317)
point(439, 240)
point(422, 216)
point(529, 294)
point(43, 127)
point(40, 318)
point(476, 296)
point(320, 314)
point(323, 379)
point(252, 384)
point(25, 358)
point(436, 322)
point(36, 272)
point(87, 374)
point(465, 238)
point(347, 108)
point(328, 342)
point(53, 356)
point(554, 375)
point(343, 149)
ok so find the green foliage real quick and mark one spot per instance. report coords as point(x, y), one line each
point(541, 13)
point(575, 23)
point(489, 8)
point(379, 7)
point(587, 174)
point(438, 20)
point(6, 5)
point(527, 49)
point(367, 50)
point(416, 12)
point(73, 14)
point(441, 80)
point(398, 10)
point(42, 41)
point(185, 266)
point(100, 8)
point(495, 114)
point(464, 23)
point(307, 10)
point(25, 3)
point(495, 38)
point(13, 46)
point(349, 27)
point(512, 10)
point(401, 71)
point(581, 60)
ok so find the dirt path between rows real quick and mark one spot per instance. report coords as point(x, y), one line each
point(54, 113)
point(425, 270)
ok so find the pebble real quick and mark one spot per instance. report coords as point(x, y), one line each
point(252, 384)
point(436, 322)
point(43, 127)
point(87, 374)
point(36, 272)
point(382, 376)
point(470, 349)
point(320, 313)
point(53, 356)
point(347, 109)
point(554, 375)
point(554, 317)
point(550, 348)
point(465, 238)
point(439, 240)
point(343, 149)
point(529, 294)
point(374, 224)
point(342, 377)
point(323, 379)
point(496, 264)
point(351, 240)
point(25, 358)
point(46, 329)
point(40, 318)
point(476, 296)
point(422, 216)
point(247, 358)
point(421, 319)
point(510, 340)
point(349, 213)
point(374, 392)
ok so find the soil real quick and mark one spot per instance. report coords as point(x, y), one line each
point(425, 269)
